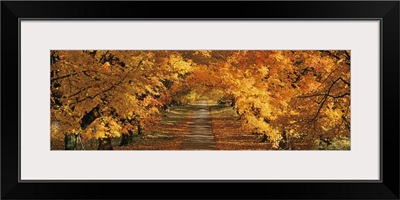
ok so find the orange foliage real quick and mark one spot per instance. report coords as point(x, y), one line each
point(285, 95)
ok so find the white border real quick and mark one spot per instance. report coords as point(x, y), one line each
point(39, 163)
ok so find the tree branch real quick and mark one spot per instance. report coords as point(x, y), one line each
point(326, 96)
point(323, 94)
point(108, 89)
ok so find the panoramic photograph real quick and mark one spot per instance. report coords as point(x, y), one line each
point(200, 100)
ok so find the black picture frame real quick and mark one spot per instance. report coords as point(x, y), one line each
point(386, 11)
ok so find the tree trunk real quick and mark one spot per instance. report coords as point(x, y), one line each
point(71, 142)
point(126, 139)
point(286, 143)
point(233, 103)
point(105, 144)
point(265, 138)
point(139, 130)
point(283, 144)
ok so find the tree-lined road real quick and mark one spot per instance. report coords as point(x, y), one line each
point(200, 135)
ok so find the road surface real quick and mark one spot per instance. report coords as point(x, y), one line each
point(200, 135)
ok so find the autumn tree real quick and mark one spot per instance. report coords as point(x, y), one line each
point(105, 94)
point(284, 95)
